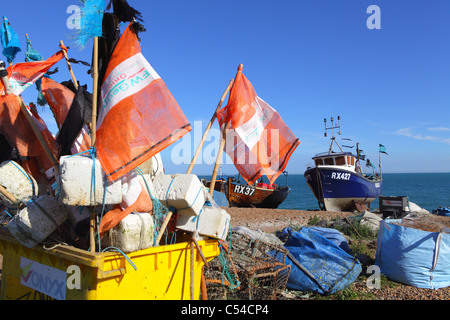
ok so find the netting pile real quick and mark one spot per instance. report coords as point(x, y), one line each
point(247, 269)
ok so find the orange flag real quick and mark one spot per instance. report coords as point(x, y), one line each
point(138, 116)
point(24, 74)
point(16, 128)
point(257, 139)
point(60, 99)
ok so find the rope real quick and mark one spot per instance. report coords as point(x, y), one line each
point(109, 249)
point(159, 210)
point(193, 202)
point(26, 175)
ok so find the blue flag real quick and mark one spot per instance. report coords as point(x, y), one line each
point(10, 41)
point(33, 55)
point(383, 149)
point(91, 18)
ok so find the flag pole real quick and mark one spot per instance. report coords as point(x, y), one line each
point(208, 127)
point(379, 160)
point(64, 49)
point(94, 133)
point(218, 160)
point(221, 147)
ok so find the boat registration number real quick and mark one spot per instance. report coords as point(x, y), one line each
point(340, 175)
point(245, 190)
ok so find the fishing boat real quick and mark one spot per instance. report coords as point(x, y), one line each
point(257, 195)
point(338, 181)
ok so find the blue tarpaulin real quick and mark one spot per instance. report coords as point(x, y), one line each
point(318, 264)
point(414, 257)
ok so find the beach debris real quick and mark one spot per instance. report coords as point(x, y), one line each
point(212, 221)
point(412, 207)
point(371, 220)
point(18, 182)
point(38, 220)
point(259, 235)
point(184, 192)
point(83, 182)
point(134, 232)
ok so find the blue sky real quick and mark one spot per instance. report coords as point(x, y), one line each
point(309, 60)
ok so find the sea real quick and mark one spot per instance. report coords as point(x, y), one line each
point(427, 190)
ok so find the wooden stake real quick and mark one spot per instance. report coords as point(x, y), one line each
point(164, 226)
point(94, 133)
point(8, 194)
point(218, 160)
point(203, 286)
point(208, 127)
point(64, 49)
point(221, 147)
point(94, 93)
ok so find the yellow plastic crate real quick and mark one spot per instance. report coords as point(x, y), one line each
point(162, 273)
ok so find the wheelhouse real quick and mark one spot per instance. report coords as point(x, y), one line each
point(344, 160)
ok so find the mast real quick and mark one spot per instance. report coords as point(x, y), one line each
point(333, 138)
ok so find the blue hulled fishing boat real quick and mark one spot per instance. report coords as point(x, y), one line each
point(337, 180)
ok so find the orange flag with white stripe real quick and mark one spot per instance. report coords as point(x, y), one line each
point(23, 74)
point(257, 139)
point(138, 116)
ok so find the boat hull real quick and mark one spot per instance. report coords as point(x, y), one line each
point(340, 190)
point(240, 195)
point(243, 195)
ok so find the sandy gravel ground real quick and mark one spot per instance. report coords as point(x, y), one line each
point(271, 220)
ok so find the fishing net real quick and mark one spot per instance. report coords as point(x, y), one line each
point(160, 211)
point(247, 268)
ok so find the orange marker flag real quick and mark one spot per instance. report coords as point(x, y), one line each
point(138, 116)
point(257, 139)
point(23, 74)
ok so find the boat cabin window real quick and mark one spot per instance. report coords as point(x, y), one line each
point(329, 161)
point(351, 160)
point(340, 161)
point(318, 162)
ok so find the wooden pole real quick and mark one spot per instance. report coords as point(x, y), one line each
point(218, 160)
point(64, 49)
point(164, 226)
point(221, 147)
point(208, 127)
point(94, 93)
point(8, 194)
point(93, 134)
point(203, 286)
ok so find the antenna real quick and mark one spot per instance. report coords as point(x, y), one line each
point(333, 126)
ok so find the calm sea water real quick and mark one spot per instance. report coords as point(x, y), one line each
point(427, 190)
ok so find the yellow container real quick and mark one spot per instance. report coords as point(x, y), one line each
point(162, 273)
